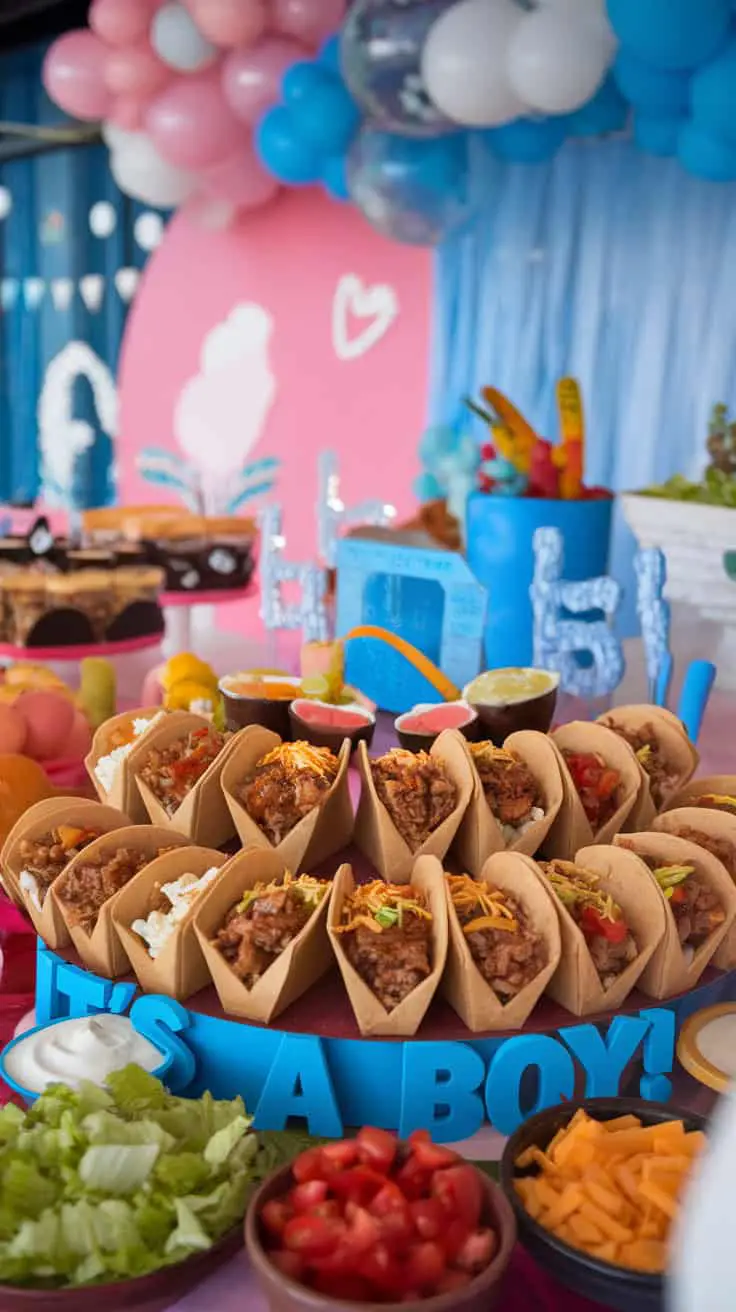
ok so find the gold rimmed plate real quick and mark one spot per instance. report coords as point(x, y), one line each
point(706, 1047)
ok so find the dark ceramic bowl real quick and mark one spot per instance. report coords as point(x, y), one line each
point(498, 721)
point(242, 710)
point(419, 741)
point(285, 1295)
point(602, 1282)
point(306, 725)
point(154, 1293)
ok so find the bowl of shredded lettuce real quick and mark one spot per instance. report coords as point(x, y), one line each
point(123, 1196)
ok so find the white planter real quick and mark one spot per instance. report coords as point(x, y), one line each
point(694, 539)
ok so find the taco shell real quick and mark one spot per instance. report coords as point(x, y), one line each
point(123, 794)
point(179, 970)
point(465, 988)
point(203, 817)
point(480, 835)
point(303, 961)
point(576, 983)
point(571, 829)
point(716, 825)
point(370, 1014)
point(675, 747)
point(375, 832)
point(717, 785)
point(669, 972)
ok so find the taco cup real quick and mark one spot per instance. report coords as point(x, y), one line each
point(289, 798)
point(713, 792)
point(667, 757)
point(412, 803)
point(390, 941)
point(262, 933)
point(504, 943)
point(699, 900)
point(177, 768)
point(517, 793)
point(108, 760)
point(716, 832)
point(611, 922)
point(601, 780)
point(153, 918)
point(85, 892)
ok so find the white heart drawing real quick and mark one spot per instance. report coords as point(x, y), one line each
point(378, 305)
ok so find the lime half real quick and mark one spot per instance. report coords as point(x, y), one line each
point(315, 686)
point(510, 686)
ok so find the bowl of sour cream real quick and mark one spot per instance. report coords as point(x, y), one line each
point(76, 1049)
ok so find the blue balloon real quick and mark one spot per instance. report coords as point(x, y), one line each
point(328, 118)
point(528, 141)
point(411, 191)
point(706, 156)
point(671, 33)
point(657, 134)
point(714, 95)
point(329, 55)
point(304, 80)
point(606, 112)
point(380, 55)
point(653, 90)
point(283, 152)
point(334, 177)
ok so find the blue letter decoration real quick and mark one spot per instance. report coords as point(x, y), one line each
point(309, 613)
point(654, 618)
point(299, 1084)
point(439, 1091)
point(333, 516)
point(556, 640)
point(555, 1082)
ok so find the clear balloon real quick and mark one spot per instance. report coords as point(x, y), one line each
point(381, 53)
point(251, 79)
point(140, 172)
point(555, 64)
point(178, 41)
point(464, 63)
point(309, 21)
point(241, 180)
point(136, 71)
point(412, 191)
point(230, 23)
point(121, 22)
point(74, 75)
point(192, 126)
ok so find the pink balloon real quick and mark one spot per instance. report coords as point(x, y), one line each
point(121, 22)
point(136, 71)
point(191, 125)
point(230, 23)
point(251, 79)
point(74, 75)
point(240, 180)
point(310, 21)
point(128, 112)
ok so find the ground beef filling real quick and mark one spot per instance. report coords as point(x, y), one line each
point(87, 887)
point(416, 790)
point(393, 962)
point(45, 858)
point(507, 961)
point(286, 785)
point(610, 942)
point(709, 802)
point(720, 848)
point(643, 743)
point(171, 772)
point(695, 905)
point(510, 788)
point(253, 936)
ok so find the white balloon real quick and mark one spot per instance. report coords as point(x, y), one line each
point(116, 137)
point(554, 63)
point(465, 65)
point(140, 172)
point(593, 14)
point(178, 41)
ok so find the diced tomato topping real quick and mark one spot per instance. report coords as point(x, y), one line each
point(428, 1217)
point(341, 1153)
point(383, 1270)
point(307, 1195)
point(460, 1192)
point(391, 1211)
point(594, 924)
point(453, 1236)
point(432, 1156)
point(477, 1252)
point(290, 1263)
point(308, 1165)
point(425, 1265)
point(276, 1212)
point(359, 1184)
point(363, 1229)
point(413, 1179)
point(312, 1236)
point(377, 1148)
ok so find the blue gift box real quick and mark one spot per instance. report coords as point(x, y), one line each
point(499, 535)
point(422, 592)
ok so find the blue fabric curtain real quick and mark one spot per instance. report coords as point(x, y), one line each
point(611, 266)
point(46, 235)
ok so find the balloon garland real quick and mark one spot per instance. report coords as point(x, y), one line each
point(221, 103)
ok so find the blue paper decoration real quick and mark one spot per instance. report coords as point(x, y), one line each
point(557, 640)
point(555, 1082)
point(299, 1084)
point(605, 1057)
point(161, 1020)
point(653, 611)
point(659, 1046)
point(440, 1091)
point(309, 613)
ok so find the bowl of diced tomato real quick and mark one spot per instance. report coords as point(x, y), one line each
point(372, 1221)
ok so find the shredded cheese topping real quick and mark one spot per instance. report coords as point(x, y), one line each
point(308, 888)
point(378, 906)
point(487, 752)
point(720, 799)
point(493, 912)
point(644, 753)
point(302, 756)
point(574, 885)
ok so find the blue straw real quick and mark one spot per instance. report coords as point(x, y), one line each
point(696, 689)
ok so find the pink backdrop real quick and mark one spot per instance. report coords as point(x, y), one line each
point(348, 355)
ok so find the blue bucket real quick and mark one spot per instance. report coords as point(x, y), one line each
point(500, 531)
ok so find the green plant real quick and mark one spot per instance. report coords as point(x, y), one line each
point(718, 484)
